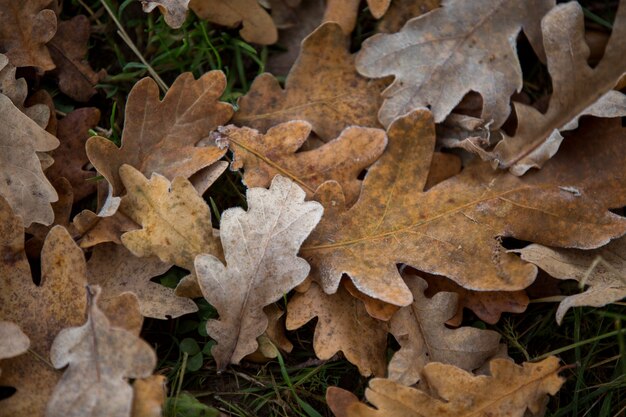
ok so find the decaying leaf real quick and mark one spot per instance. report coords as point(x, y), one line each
point(160, 136)
point(509, 391)
point(101, 358)
point(13, 341)
point(342, 325)
point(578, 89)
point(116, 270)
point(260, 247)
point(342, 159)
point(174, 11)
point(22, 181)
point(603, 270)
point(322, 88)
point(345, 12)
point(424, 338)
point(453, 229)
point(460, 47)
point(94, 229)
point(258, 26)
point(149, 396)
point(25, 28)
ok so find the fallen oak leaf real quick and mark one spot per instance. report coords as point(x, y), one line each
point(161, 135)
point(101, 358)
point(260, 247)
point(509, 391)
point(345, 12)
point(401, 11)
point(322, 88)
point(174, 11)
point(453, 228)
point(264, 156)
point(13, 341)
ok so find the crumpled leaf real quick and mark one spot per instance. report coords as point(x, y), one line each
point(174, 11)
point(13, 341)
point(342, 325)
point(101, 358)
point(453, 229)
point(264, 156)
point(322, 88)
point(68, 49)
point(345, 12)
point(460, 47)
point(260, 247)
point(509, 391)
point(258, 26)
point(578, 89)
point(116, 270)
point(40, 311)
point(606, 281)
point(26, 26)
point(160, 136)
point(424, 338)
point(22, 181)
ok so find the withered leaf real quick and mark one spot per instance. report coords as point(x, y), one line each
point(258, 26)
point(424, 338)
point(101, 358)
point(460, 47)
point(149, 396)
point(342, 325)
point(603, 270)
point(322, 88)
point(174, 11)
point(68, 49)
point(160, 136)
point(342, 159)
point(260, 247)
point(22, 181)
point(13, 341)
point(578, 89)
point(509, 391)
point(400, 11)
point(345, 12)
point(453, 228)
point(25, 28)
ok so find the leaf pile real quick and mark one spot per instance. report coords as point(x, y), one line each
point(357, 213)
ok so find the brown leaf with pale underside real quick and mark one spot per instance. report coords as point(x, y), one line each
point(160, 135)
point(25, 28)
point(424, 338)
point(460, 47)
point(509, 391)
point(260, 247)
point(578, 89)
point(101, 359)
point(258, 26)
point(342, 159)
point(606, 284)
point(453, 228)
point(342, 325)
point(17, 91)
point(322, 88)
point(174, 11)
point(345, 12)
point(22, 181)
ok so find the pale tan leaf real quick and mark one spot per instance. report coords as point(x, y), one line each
point(174, 11)
point(260, 247)
point(13, 341)
point(17, 90)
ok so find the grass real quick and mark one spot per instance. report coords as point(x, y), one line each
point(592, 340)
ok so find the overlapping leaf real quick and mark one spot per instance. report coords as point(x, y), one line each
point(174, 11)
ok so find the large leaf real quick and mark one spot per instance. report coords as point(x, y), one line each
point(260, 247)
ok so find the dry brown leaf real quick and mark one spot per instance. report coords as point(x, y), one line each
point(509, 391)
point(454, 229)
point(174, 11)
point(40, 311)
point(68, 49)
point(400, 11)
point(487, 305)
point(578, 89)
point(13, 341)
point(322, 88)
point(457, 48)
point(260, 247)
point(342, 325)
point(26, 26)
point(70, 157)
point(424, 338)
point(345, 12)
point(258, 26)
point(160, 136)
point(116, 270)
point(284, 12)
point(94, 229)
point(375, 308)
point(149, 396)
point(99, 359)
point(342, 159)
point(22, 181)
point(606, 280)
